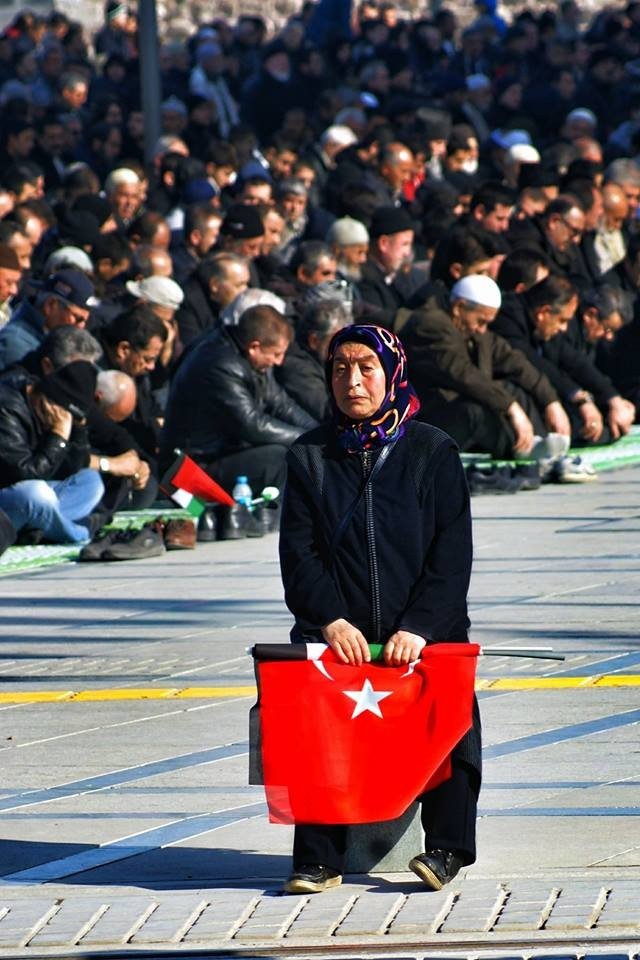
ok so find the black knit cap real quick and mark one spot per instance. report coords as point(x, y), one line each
point(242, 222)
point(537, 175)
point(388, 220)
point(72, 386)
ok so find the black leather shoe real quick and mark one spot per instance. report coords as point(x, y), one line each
point(230, 523)
point(436, 867)
point(207, 526)
point(312, 878)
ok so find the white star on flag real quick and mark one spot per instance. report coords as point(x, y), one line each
point(366, 699)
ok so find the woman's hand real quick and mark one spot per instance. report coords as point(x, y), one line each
point(402, 647)
point(347, 642)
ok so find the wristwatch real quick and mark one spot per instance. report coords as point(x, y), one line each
point(104, 465)
point(585, 398)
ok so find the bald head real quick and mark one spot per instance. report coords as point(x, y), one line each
point(116, 394)
point(616, 206)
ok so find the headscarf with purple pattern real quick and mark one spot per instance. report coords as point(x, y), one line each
point(400, 403)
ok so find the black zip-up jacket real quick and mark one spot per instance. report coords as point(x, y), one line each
point(403, 561)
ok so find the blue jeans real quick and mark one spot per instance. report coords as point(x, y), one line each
point(53, 506)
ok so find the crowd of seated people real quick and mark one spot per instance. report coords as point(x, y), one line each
point(471, 184)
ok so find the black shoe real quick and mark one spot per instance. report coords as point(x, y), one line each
point(491, 480)
point(436, 867)
point(268, 516)
point(231, 523)
point(207, 526)
point(93, 551)
point(252, 526)
point(529, 475)
point(312, 878)
point(136, 544)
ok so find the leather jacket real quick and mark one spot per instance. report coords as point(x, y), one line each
point(28, 449)
point(220, 405)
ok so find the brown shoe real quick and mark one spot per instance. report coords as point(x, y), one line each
point(180, 535)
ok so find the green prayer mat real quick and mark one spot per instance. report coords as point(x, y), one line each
point(625, 452)
point(20, 559)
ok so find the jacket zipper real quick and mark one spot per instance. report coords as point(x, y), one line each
point(372, 556)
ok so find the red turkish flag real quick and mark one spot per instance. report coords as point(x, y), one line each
point(345, 744)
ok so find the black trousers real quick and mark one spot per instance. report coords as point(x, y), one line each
point(448, 819)
point(475, 427)
point(264, 466)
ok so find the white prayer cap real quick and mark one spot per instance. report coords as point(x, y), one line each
point(523, 153)
point(346, 232)
point(478, 289)
point(161, 291)
point(338, 134)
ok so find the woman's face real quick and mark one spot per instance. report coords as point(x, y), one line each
point(358, 381)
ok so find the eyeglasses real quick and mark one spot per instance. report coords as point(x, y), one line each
point(574, 231)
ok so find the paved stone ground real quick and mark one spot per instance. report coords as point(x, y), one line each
point(127, 824)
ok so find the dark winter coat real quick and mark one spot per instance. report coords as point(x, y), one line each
point(404, 560)
point(446, 365)
point(568, 369)
point(302, 375)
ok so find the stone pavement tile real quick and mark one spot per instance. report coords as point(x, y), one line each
point(422, 913)
point(526, 906)
point(222, 916)
point(578, 906)
point(66, 926)
point(19, 918)
point(271, 918)
point(477, 912)
point(174, 916)
point(319, 916)
point(370, 915)
point(118, 924)
point(622, 908)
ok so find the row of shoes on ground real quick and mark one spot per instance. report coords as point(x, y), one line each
point(237, 522)
point(150, 540)
point(506, 478)
point(502, 479)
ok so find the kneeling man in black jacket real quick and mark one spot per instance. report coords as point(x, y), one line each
point(225, 408)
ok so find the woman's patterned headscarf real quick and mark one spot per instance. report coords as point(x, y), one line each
point(400, 403)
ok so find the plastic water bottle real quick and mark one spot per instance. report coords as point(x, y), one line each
point(242, 492)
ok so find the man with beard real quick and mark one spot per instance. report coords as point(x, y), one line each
point(349, 241)
point(384, 274)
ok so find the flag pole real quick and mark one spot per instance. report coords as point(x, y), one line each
point(536, 653)
point(303, 651)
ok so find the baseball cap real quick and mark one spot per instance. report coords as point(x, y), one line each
point(72, 286)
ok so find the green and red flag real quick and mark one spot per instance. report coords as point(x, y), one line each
point(191, 487)
point(335, 743)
